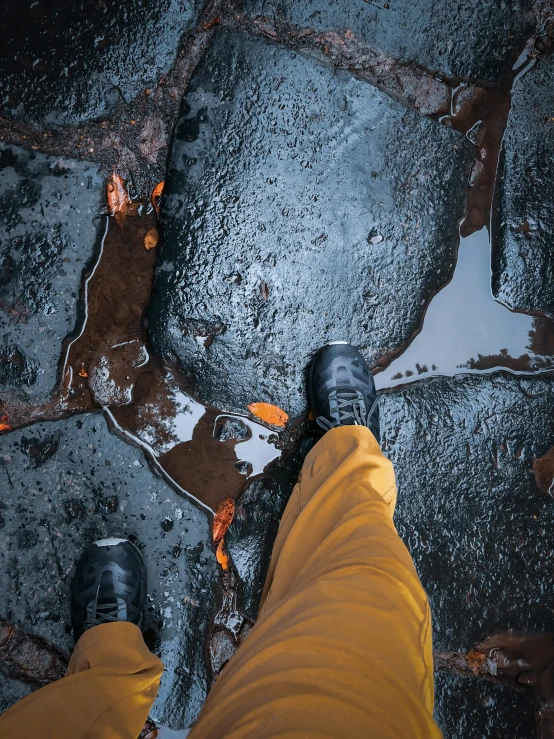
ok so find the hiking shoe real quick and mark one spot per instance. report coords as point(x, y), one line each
point(341, 389)
point(109, 585)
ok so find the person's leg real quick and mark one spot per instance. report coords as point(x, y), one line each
point(112, 678)
point(342, 646)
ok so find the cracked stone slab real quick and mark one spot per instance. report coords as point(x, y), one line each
point(458, 39)
point(466, 707)
point(49, 232)
point(469, 510)
point(301, 206)
point(523, 224)
point(62, 65)
point(66, 484)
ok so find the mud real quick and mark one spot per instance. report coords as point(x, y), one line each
point(29, 658)
point(481, 114)
point(211, 455)
point(522, 662)
point(411, 85)
point(457, 39)
point(543, 469)
point(105, 358)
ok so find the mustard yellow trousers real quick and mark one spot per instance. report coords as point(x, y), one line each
point(341, 647)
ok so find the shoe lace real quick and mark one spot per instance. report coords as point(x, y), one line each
point(105, 612)
point(349, 408)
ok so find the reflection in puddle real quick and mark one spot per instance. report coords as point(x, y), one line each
point(208, 454)
point(467, 331)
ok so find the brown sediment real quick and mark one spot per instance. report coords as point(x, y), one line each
point(525, 663)
point(101, 363)
point(230, 626)
point(410, 84)
point(481, 113)
point(29, 658)
point(209, 454)
point(543, 469)
point(134, 138)
point(149, 731)
point(114, 338)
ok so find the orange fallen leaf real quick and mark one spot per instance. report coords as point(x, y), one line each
point(216, 21)
point(222, 519)
point(4, 425)
point(222, 557)
point(271, 414)
point(151, 239)
point(156, 194)
point(83, 372)
point(118, 198)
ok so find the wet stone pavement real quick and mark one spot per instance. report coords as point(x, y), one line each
point(320, 162)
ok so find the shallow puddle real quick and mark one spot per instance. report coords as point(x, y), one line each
point(466, 331)
point(209, 455)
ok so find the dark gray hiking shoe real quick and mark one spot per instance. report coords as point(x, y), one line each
point(341, 389)
point(109, 585)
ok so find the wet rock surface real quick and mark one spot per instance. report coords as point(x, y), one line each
point(49, 231)
point(62, 65)
point(302, 206)
point(523, 265)
point(469, 510)
point(465, 707)
point(459, 39)
point(68, 483)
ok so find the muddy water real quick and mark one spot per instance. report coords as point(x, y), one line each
point(209, 454)
point(466, 330)
point(205, 453)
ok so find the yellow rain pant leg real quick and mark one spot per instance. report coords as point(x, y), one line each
point(111, 683)
point(342, 645)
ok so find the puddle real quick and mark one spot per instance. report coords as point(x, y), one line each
point(210, 455)
point(466, 331)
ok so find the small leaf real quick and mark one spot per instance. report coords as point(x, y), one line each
point(222, 519)
point(156, 195)
point(118, 198)
point(151, 239)
point(83, 372)
point(222, 557)
point(216, 21)
point(271, 414)
point(4, 425)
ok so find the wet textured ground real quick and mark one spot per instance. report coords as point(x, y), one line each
point(522, 227)
point(318, 161)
